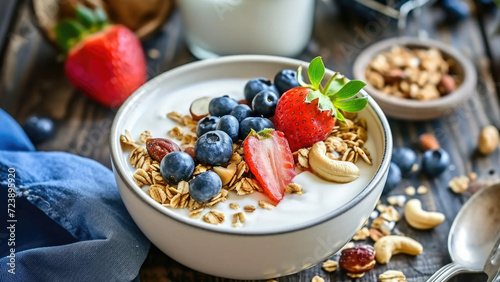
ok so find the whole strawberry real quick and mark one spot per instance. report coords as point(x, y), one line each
point(106, 62)
point(307, 114)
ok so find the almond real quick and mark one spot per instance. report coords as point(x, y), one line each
point(429, 142)
point(190, 151)
point(447, 84)
point(160, 147)
point(199, 108)
point(393, 76)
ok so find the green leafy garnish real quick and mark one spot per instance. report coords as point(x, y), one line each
point(71, 31)
point(338, 94)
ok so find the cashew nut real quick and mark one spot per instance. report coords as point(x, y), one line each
point(328, 169)
point(388, 246)
point(420, 219)
point(225, 173)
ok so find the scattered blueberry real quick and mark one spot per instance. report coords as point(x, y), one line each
point(435, 162)
point(256, 85)
point(213, 148)
point(230, 125)
point(177, 166)
point(221, 106)
point(456, 10)
point(393, 178)
point(241, 112)
point(255, 123)
point(39, 129)
point(206, 124)
point(205, 186)
point(264, 103)
point(286, 80)
point(406, 159)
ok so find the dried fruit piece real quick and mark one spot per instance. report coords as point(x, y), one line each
point(357, 260)
point(160, 147)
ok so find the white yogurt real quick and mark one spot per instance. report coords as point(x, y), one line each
point(226, 27)
point(320, 197)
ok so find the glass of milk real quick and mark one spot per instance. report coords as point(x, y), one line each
point(227, 27)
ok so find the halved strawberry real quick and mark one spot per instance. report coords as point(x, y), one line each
point(270, 160)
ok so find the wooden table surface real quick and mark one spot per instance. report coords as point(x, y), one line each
point(32, 82)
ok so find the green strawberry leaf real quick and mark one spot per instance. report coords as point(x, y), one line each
point(101, 16)
point(300, 79)
point(86, 17)
point(312, 95)
point(68, 33)
point(350, 89)
point(339, 116)
point(324, 104)
point(335, 86)
point(352, 105)
point(316, 71)
point(265, 133)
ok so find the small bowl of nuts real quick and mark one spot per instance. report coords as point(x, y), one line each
point(416, 79)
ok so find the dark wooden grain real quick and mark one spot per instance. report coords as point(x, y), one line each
point(32, 82)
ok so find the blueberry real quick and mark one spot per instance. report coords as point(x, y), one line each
point(286, 80)
point(230, 125)
point(177, 166)
point(264, 103)
point(406, 159)
point(241, 112)
point(255, 123)
point(206, 124)
point(435, 162)
point(393, 178)
point(213, 148)
point(221, 106)
point(205, 186)
point(256, 85)
point(456, 10)
point(39, 129)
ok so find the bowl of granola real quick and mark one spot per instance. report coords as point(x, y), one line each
point(251, 203)
point(416, 79)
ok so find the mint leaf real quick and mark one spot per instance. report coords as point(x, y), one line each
point(350, 89)
point(353, 105)
point(312, 95)
point(316, 71)
point(86, 17)
point(68, 33)
point(339, 116)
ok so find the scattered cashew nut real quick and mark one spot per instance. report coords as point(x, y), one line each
point(388, 246)
point(328, 169)
point(225, 173)
point(420, 219)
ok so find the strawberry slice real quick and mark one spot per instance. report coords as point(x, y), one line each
point(270, 160)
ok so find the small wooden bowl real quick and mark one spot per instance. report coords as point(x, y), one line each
point(410, 109)
point(140, 17)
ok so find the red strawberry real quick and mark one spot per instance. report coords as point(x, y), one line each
point(307, 114)
point(270, 160)
point(303, 123)
point(106, 62)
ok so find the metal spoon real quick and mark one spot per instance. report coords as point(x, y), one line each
point(473, 234)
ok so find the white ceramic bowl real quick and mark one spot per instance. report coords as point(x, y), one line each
point(242, 253)
point(409, 109)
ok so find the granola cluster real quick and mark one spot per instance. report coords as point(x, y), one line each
point(236, 177)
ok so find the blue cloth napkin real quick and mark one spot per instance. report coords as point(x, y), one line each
point(67, 221)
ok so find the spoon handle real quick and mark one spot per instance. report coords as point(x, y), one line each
point(448, 271)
